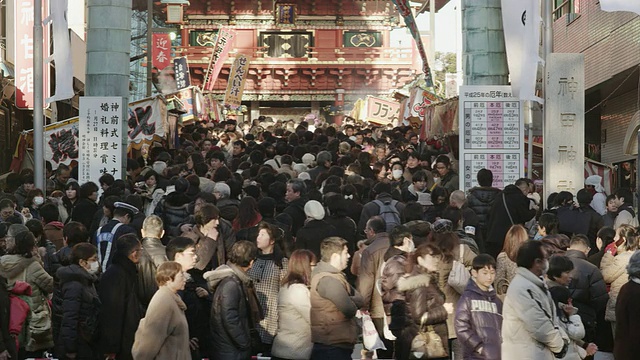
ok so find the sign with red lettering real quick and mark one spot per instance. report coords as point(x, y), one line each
point(24, 19)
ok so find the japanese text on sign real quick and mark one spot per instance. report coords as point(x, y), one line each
point(382, 111)
point(181, 69)
point(237, 77)
point(491, 135)
point(100, 137)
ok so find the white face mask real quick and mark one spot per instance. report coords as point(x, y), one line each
point(38, 200)
point(93, 267)
point(397, 174)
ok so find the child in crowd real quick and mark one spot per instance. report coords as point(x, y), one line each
point(478, 319)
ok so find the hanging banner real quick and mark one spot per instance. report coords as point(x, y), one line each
point(100, 131)
point(405, 10)
point(220, 52)
point(147, 121)
point(521, 21)
point(181, 70)
point(61, 141)
point(61, 51)
point(212, 111)
point(416, 104)
point(161, 50)
point(235, 85)
point(382, 112)
point(23, 37)
point(620, 5)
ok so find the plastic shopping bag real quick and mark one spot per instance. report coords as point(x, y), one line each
point(370, 336)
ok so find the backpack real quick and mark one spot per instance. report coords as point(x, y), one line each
point(389, 213)
point(107, 237)
point(19, 310)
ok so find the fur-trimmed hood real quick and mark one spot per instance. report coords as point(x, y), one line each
point(415, 281)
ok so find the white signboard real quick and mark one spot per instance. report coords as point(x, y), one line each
point(100, 137)
point(564, 124)
point(491, 135)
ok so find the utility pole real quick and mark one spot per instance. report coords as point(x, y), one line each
point(108, 48)
point(149, 46)
point(483, 49)
point(38, 97)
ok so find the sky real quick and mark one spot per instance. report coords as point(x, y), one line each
point(446, 26)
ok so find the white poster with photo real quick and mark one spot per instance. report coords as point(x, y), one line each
point(100, 137)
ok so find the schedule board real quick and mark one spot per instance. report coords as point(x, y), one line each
point(491, 135)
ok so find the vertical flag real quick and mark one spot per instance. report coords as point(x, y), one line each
point(161, 50)
point(235, 86)
point(61, 51)
point(405, 10)
point(220, 52)
point(181, 69)
point(521, 19)
point(620, 5)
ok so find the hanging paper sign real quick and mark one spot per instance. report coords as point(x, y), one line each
point(382, 111)
point(405, 10)
point(61, 142)
point(235, 86)
point(100, 137)
point(146, 120)
point(181, 70)
point(218, 57)
point(161, 50)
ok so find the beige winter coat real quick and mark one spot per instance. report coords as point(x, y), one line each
point(451, 295)
point(614, 272)
point(164, 333)
point(30, 270)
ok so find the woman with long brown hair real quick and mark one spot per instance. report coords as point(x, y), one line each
point(506, 261)
point(293, 340)
point(248, 214)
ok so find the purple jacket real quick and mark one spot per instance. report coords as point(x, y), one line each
point(478, 323)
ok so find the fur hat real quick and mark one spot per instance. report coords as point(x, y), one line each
point(314, 210)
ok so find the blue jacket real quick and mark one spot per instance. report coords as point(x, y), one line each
point(478, 323)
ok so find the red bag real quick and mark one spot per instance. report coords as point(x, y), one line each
point(20, 309)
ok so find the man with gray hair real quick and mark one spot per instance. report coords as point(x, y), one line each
point(470, 221)
point(228, 207)
point(323, 161)
point(13, 231)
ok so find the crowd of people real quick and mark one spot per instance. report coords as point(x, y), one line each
point(287, 239)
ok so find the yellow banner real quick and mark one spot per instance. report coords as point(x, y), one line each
point(235, 86)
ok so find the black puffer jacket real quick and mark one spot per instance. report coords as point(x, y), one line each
point(296, 211)
point(75, 312)
point(230, 313)
point(480, 200)
point(588, 291)
point(478, 323)
point(518, 209)
point(311, 235)
point(173, 209)
point(423, 297)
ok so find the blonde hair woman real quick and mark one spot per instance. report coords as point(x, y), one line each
point(506, 261)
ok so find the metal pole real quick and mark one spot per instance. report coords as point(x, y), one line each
point(432, 31)
point(38, 97)
point(149, 41)
point(547, 49)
